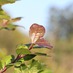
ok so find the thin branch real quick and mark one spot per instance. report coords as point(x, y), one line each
point(3, 70)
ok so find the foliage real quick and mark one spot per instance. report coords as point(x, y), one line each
point(5, 20)
point(24, 51)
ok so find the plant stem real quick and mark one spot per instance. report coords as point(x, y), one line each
point(31, 46)
point(17, 58)
point(3, 70)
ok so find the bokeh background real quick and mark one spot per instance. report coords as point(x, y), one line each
point(57, 17)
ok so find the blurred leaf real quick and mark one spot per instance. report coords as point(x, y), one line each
point(5, 19)
point(17, 64)
point(0, 65)
point(29, 56)
point(17, 70)
point(2, 12)
point(36, 31)
point(4, 16)
point(41, 54)
point(21, 60)
point(23, 67)
point(19, 26)
point(2, 2)
point(28, 45)
point(36, 28)
point(23, 51)
point(6, 60)
point(6, 22)
point(0, 8)
point(35, 63)
point(38, 47)
point(36, 66)
point(16, 19)
point(35, 46)
point(22, 46)
point(43, 43)
point(10, 27)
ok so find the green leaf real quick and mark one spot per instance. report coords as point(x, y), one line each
point(17, 64)
point(28, 45)
point(0, 65)
point(29, 57)
point(2, 2)
point(23, 51)
point(4, 16)
point(39, 47)
point(36, 63)
point(21, 60)
point(35, 66)
point(17, 70)
point(41, 54)
point(16, 19)
point(36, 46)
point(7, 60)
point(23, 67)
point(33, 63)
point(22, 46)
point(0, 8)
point(10, 27)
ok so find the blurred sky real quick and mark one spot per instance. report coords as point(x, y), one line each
point(34, 11)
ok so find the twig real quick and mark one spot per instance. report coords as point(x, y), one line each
point(3, 70)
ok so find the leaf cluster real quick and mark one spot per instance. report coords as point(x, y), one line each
point(19, 63)
point(6, 22)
